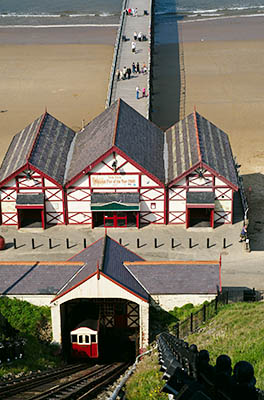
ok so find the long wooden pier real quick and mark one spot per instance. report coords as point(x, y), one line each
point(124, 57)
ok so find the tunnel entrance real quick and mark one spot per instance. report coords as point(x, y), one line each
point(118, 335)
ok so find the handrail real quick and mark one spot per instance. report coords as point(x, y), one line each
point(130, 372)
point(115, 55)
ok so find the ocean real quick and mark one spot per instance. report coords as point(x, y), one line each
point(107, 12)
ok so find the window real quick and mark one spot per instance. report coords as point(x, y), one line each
point(74, 338)
point(80, 339)
point(93, 338)
point(153, 206)
point(87, 339)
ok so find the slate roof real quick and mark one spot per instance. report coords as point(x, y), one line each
point(35, 277)
point(123, 198)
point(109, 255)
point(121, 126)
point(195, 140)
point(200, 197)
point(44, 144)
point(176, 277)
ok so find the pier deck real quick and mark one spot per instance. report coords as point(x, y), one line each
point(126, 89)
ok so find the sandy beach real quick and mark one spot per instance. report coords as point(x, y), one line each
point(223, 63)
point(64, 69)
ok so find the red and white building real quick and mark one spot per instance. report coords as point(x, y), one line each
point(120, 170)
point(201, 174)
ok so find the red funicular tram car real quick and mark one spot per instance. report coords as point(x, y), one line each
point(84, 339)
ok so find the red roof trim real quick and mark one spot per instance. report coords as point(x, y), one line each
point(219, 176)
point(135, 164)
point(73, 287)
point(123, 287)
point(13, 175)
point(44, 175)
point(197, 135)
point(202, 164)
point(33, 144)
point(89, 168)
point(184, 174)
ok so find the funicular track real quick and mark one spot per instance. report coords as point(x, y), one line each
point(26, 383)
point(91, 382)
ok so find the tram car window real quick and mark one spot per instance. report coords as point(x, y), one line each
point(84, 339)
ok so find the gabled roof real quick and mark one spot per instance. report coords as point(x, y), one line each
point(119, 127)
point(35, 277)
point(195, 141)
point(177, 277)
point(106, 256)
point(44, 144)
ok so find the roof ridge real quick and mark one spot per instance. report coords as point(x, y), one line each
point(37, 134)
point(197, 135)
point(116, 122)
point(171, 262)
point(101, 267)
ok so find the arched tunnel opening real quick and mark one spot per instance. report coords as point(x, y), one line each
point(118, 328)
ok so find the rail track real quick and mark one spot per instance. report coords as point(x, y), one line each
point(92, 381)
point(25, 383)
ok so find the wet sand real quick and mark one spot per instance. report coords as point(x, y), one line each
point(39, 69)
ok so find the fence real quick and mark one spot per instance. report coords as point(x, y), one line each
point(191, 324)
point(116, 51)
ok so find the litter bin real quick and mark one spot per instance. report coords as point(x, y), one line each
point(2, 243)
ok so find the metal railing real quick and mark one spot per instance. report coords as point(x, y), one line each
point(115, 56)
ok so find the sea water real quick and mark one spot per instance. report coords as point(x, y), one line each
point(101, 12)
point(166, 52)
point(59, 12)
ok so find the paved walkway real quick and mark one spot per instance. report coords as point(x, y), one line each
point(239, 268)
point(126, 89)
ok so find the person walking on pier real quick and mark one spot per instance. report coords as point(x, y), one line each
point(124, 72)
point(135, 35)
point(128, 72)
point(137, 92)
point(133, 47)
point(143, 92)
point(133, 68)
point(138, 69)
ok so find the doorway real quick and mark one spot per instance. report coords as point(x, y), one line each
point(30, 218)
point(200, 217)
point(114, 219)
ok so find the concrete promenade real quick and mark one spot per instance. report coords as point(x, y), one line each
point(126, 88)
point(239, 268)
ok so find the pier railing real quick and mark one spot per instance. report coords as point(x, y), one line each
point(115, 56)
point(150, 34)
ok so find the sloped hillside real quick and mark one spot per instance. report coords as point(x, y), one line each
point(237, 330)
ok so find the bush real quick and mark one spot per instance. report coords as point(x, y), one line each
point(25, 317)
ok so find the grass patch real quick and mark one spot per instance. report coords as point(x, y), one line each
point(237, 330)
point(146, 382)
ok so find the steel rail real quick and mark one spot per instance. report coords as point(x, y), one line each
point(22, 384)
point(85, 386)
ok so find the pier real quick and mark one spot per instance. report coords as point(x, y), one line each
point(124, 57)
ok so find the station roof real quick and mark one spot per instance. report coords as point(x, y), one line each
point(122, 127)
point(177, 277)
point(106, 256)
point(195, 141)
point(44, 144)
point(35, 277)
